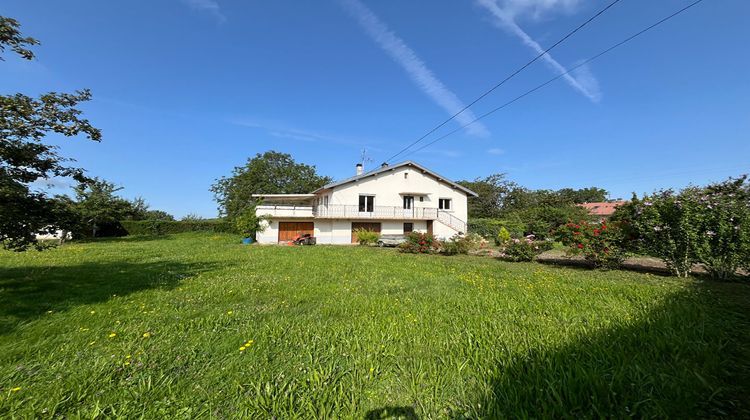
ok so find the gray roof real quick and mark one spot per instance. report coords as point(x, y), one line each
point(392, 167)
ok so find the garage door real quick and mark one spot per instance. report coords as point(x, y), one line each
point(290, 230)
point(373, 227)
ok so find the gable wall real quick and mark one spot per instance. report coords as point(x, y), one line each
point(386, 187)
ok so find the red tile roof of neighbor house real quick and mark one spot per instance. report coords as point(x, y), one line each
point(603, 208)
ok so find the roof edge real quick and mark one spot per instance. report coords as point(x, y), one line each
point(394, 166)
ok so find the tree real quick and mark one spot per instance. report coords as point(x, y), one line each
point(24, 158)
point(158, 215)
point(98, 207)
point(10, 36)
point(268, 173)
point(493, 192)
point(584, 195)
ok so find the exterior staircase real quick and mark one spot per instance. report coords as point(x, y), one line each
point(452, 221)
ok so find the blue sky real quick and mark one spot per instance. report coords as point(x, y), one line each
point(184, 90)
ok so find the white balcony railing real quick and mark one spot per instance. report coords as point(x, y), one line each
point(338, 211)
point(284, 211)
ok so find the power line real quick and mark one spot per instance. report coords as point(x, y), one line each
point(529, 92)
point(506, 79)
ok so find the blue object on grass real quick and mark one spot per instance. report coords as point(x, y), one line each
point(247, 241)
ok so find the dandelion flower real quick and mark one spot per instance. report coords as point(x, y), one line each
point(242, 348)
point(146, 335)
point(230, 312)
point(112, 335)
point(16, 389)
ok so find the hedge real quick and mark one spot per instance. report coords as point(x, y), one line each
point(163, 227)
point(489, 228)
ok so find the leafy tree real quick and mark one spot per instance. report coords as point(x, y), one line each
point(584, 195)
point(493, 192)
point(98, 207)
point(158, 215)
point(24, 158)
point(268, 173)
point(10, 37)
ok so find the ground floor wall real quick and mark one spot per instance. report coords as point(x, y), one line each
point(339, 232)
point(442, 231)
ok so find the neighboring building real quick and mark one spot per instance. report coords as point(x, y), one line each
point(396, 199)
point(603, 209)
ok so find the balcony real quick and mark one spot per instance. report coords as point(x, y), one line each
point(285, 211)
point(338, 211)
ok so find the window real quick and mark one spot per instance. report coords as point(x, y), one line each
point(408, 227)
point(444, 204)
point(406, 175)
point(421, 198)
point(325, 200)
point(366, 203)
point(408, 202)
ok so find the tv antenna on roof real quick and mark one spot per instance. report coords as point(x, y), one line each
point(363, 158)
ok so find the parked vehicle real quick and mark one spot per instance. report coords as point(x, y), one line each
point(391, 240)
point(305, 239)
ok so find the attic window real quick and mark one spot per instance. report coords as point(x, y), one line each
point(406, 175)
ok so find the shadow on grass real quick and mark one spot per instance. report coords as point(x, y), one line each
point(125, 239)
point(392, 412)
point(689, 358)
point(28, 292)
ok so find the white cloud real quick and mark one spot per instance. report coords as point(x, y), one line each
point(505, 18)
point(285, 131)
point(417, 70)
point(495, 151)
point(538, 8)
point(209, 6)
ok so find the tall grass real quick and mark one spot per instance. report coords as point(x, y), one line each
point(198, 325)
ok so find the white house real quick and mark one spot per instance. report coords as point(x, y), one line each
point(393, 199)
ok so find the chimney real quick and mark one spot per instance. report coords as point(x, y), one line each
point(384, 165)
point(360, 169)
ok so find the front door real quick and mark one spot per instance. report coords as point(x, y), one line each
point(372, 227)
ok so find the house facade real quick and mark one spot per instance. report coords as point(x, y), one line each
point(395, 199)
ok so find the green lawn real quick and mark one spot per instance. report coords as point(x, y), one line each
point(157, 327)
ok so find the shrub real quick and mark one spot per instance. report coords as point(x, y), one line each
point(367, 237)
point(663, 225)
point(490, 228)
point(600, 243)
point(542, 220)
point(419, 243)
point(524, 249)
point(723, 242)
point(503, 237)
point(462, 244)
point(163, 227)
point(247, 222)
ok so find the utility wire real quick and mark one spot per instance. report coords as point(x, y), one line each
point(512, 75)
point(529, 92)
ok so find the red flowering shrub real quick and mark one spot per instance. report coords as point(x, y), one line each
point(420, 243)
point(599, 243)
